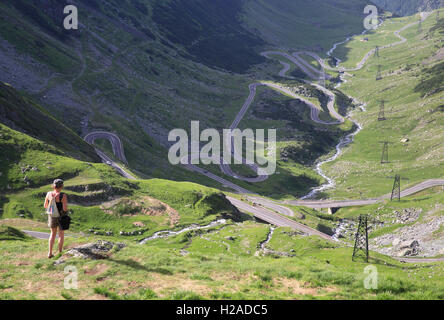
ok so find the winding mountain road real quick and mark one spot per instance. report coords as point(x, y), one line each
point(118, 150)
point(360, 65)
point(276, 213)
point(112, 138)
point(276, 219)
point(315, 74)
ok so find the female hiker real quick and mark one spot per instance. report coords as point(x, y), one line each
point(56, 205)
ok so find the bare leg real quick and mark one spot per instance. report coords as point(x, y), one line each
point(51, 241)
point(61, 240)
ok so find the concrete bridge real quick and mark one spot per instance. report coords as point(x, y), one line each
point(333, 205)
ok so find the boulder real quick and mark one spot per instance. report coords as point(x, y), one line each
point(409, 244)
point(95, 251)
point(405, 252)
point(408, 248)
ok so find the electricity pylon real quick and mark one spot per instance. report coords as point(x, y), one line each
point(377, 51)
point(385, 152)
point(361, 239)
point(396, 191)
point(378, 74)
point(381, 115)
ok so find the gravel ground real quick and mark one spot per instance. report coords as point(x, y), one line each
point(417, 238)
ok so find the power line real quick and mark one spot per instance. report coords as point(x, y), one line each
point(385, 152)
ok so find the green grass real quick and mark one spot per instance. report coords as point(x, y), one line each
point(318, 271)
point(358, 172)
point(148, 82)
point(425, 201)
point(8, 233)
point(353, 51)
point(193, 203)
point(43, 162)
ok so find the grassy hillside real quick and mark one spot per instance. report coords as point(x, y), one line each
point(408, 7)
point(117, 81)
point(411, 86)
point(211, 269)
point(305, 24)
point(28, 161)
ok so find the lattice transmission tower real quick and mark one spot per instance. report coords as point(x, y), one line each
point(361, 239)
point(381, 114)
point(378, 73)
point(385, 152)
point(396, 191)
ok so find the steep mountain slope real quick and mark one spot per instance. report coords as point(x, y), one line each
point(25, 116)
point(314, 25)
point(138, 69)
point(210, 31)
point(408, 7)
